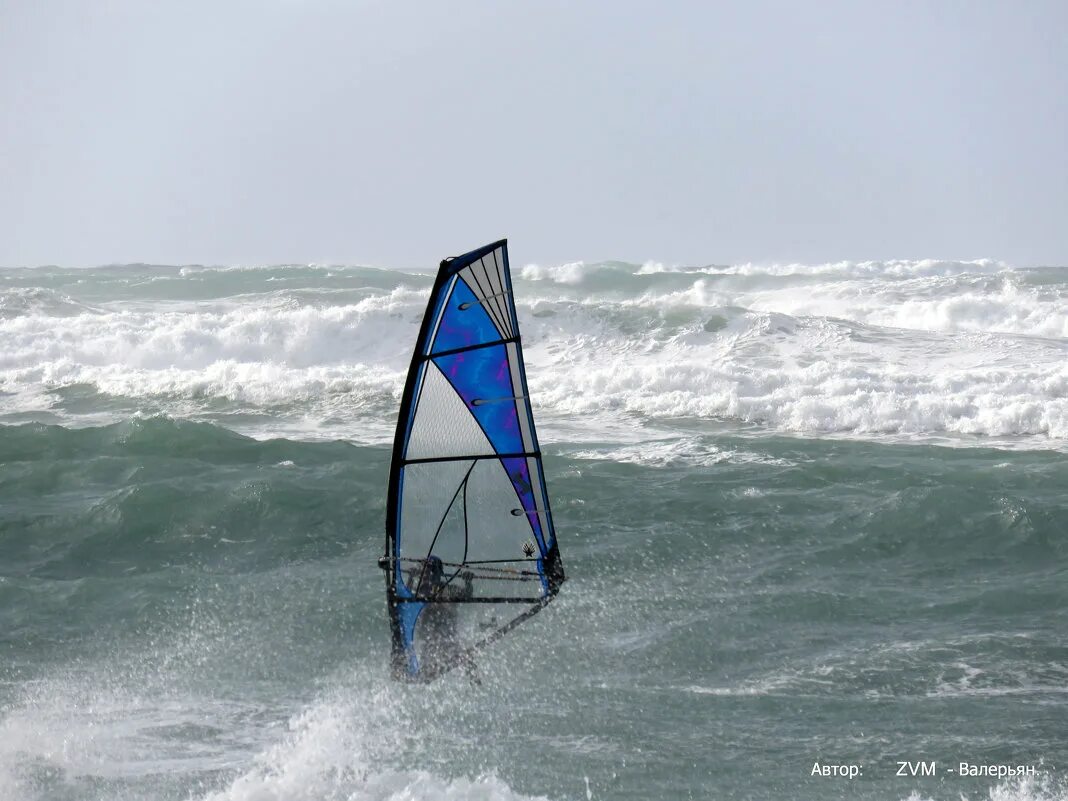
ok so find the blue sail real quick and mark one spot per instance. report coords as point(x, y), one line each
point(470, 546)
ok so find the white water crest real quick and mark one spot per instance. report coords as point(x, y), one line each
point(972, 351)
point(76, 729)
point(329, 753)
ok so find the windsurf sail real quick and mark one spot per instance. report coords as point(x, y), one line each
point(471, 551)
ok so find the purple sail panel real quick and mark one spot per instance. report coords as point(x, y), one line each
point(483, 380)
point(463, 322)
point(520, 476)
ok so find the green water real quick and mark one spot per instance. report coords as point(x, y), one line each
point(186, 612)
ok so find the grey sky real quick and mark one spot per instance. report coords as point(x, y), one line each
point(395, 133)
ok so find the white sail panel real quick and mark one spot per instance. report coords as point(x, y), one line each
point(495, 530)
point(443, 425)
point(522, 403)
point(484, 280)
point(432, 511)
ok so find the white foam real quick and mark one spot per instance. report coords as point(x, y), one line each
point(895, 267)
point(330, 752)
point(971, 682)
point(870, 349)
point(728, 692)
point(685, 451)
point(1041, 788)
point(1037, 788)
point(575, 272)
point(570, 273)
point(133, 719)
point(99, 726)
point(1002, 305)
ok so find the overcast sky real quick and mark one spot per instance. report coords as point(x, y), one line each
point(393, 133)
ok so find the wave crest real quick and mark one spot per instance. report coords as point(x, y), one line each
point(917, 348)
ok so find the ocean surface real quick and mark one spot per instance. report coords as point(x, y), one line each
point(811, 516)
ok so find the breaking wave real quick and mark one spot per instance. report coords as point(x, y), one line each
point(928, 348)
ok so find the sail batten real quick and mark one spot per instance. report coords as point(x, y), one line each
point(465, 460)
point(466, 348)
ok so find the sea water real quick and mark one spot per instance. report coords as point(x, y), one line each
point(814, 520)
